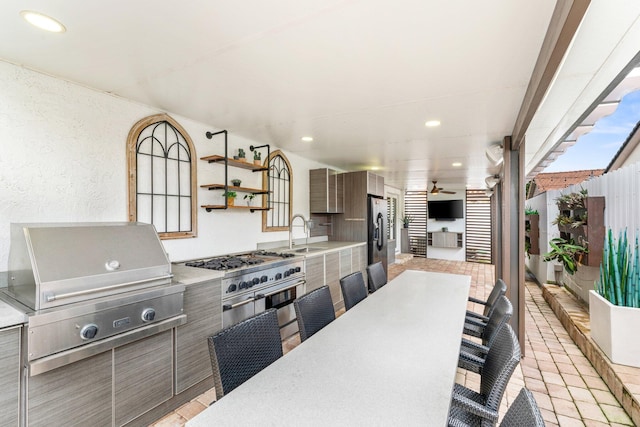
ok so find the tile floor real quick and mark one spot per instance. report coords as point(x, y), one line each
point(567, 388)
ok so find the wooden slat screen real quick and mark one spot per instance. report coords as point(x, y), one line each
point(415, 204)
point(478, 227)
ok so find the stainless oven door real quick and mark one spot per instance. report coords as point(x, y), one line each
point(237, 309)
point(281, 297)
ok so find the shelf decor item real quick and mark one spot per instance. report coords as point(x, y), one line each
point(230, 195)
point(614, 304)
point(236, 182)
point(406, 220)
point(257, 158)
point(249, 198)
point(241, 155)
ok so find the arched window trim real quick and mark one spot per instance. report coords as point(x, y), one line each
point(265, 185)
point(132, 141)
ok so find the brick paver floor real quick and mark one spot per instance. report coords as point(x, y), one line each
point(567, 388)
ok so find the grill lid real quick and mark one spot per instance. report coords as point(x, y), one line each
point(55, 264)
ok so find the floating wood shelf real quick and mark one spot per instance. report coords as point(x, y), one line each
point(209, 208)
point(235, 163)
point(233, 188)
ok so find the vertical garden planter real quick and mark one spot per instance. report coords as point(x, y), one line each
point(615, 330)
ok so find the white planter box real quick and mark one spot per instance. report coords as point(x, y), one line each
point(615, 330)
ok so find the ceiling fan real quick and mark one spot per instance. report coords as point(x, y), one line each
point(436, 190)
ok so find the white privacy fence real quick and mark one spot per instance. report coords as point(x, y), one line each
point(621, 190)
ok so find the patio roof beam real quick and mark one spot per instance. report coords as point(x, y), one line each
point(564, 24)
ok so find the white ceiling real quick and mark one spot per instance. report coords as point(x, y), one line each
point(361, 77)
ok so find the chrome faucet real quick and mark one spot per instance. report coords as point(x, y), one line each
point(304, 224)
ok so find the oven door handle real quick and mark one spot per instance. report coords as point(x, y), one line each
point(227, 307)
point(54, 297)
point(296, 284)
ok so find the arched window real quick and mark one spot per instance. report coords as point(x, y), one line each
point(281, 186)
point(162, 177)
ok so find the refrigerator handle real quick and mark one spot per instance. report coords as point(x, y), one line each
point(380, 231)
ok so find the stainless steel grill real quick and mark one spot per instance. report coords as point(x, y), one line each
point(89, 287)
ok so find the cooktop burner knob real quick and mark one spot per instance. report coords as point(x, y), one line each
point(263, 279)
point(244, 285)
point(298, 269)
point(278, 276)
point(256, 280)
point(89, 331)
point(232, 287)
point(291, 271)
point(148, 314)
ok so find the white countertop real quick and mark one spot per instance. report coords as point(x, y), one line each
point(189, 275)
point(390, 360)
point(10, 316)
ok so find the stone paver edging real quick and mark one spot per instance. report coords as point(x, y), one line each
point(575, 319)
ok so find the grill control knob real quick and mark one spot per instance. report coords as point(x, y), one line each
point(243, 285)
point(278, 276)
point(286, 273)
point(298, 269)
point(263, 279)
point(232, 287)
point(256, 280)
point(291, 271)
point(89, 331)
point(148, 314)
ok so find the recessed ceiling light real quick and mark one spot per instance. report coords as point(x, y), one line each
point(43, 22)
point(456, 164)
point(432, 123)
point(307, 138)
point(375, 168)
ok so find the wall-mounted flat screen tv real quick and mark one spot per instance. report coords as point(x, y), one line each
point(446, 210)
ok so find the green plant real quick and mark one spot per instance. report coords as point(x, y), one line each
point(241, 153)
point(529, 211)
point(406, 220)
point(230, 194)
point(572, 200)
point(257, 155)
point(249, 196)
point(619, 280)
point(527, 247)
point(568, 253)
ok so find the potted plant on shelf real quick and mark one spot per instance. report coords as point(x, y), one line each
point(230, 195)
point(241, 155)
point(614, 304)
point(406, 220)
point(257, 158)
point(568, 253)
point(236, 182)
point(249, 198)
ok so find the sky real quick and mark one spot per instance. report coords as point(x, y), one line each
point(594, 150)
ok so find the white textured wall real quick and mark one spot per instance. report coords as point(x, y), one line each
point(63, 159)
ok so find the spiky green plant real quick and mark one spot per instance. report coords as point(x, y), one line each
point(619, 280)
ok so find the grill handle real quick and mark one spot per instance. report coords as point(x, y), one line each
point(54, 297)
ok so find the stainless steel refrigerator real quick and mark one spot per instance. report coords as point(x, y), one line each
point(377, 231)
